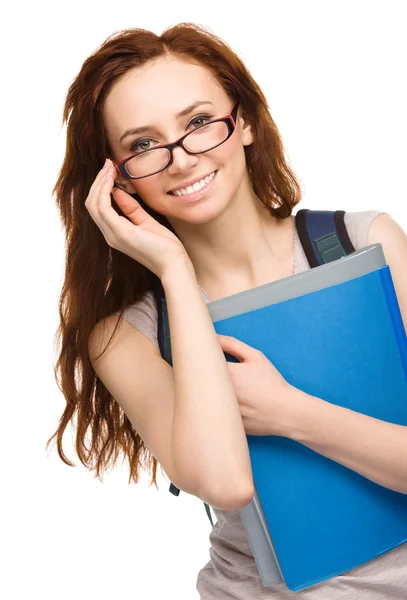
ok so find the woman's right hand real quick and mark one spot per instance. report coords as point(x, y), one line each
point(143, 239)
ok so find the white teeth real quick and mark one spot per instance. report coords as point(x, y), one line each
point(195, 186)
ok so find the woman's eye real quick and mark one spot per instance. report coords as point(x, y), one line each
point(143, 145)
point(140, 145)
point(199, 120)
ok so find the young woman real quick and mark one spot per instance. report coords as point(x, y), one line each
point(196, 192)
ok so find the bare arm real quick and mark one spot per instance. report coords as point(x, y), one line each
point(373, 448)
point(188, 415)
point(208, 435)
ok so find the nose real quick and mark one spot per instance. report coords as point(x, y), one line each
point(182, 161)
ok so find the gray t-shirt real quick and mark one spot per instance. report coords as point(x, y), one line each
point(231, 573)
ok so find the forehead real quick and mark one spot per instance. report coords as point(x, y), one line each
point(157, 91)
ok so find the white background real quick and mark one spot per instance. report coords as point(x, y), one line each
point(334, 74)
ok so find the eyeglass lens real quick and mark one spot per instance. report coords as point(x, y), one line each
point(201, 140)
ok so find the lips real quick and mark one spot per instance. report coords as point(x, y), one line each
point(191, 182)
point(196, 196)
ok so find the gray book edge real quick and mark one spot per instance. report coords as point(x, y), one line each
point(349, 267)
point(260, 542)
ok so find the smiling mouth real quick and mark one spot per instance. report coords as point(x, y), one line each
point(195, 187)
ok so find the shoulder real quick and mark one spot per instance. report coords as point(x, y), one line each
point(358, 224)
point(143, 316)
point(378, 227)
point(386, 231)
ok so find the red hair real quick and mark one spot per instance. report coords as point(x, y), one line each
point(100, 280)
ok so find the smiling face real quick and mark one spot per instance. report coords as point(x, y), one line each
point(153, 96)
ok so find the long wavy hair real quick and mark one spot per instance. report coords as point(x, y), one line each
point(100, 280)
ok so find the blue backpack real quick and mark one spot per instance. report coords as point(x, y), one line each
point(324, 238)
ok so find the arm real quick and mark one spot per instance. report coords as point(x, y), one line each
point(375, 449)
point(188, 415)
point(208, 436)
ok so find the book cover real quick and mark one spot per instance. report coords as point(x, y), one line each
point(335, 332)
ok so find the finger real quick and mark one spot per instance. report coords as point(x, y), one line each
point(93, 191)
point(99, 202)
point(129, 205)
point(93, 201)
point(237, 348)
point(115, 224)
point(103, 185)
point(111, 224)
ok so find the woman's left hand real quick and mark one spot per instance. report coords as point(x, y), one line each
point(265, 397)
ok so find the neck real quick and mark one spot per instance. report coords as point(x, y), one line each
point(243, 247)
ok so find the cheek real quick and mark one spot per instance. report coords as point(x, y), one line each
point(151, 192)
point(146, 188)
point(235, 162)
point(233, 155)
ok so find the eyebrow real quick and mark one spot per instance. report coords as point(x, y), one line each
point(183, 113)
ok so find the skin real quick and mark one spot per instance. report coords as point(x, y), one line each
point(231, 238)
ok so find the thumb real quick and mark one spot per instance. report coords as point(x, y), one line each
point(243, 352)
point(130, 207)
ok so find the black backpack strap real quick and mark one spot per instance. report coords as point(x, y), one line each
point(164, 343)
point(208, 512)
point(163, 328)
point(323, 235)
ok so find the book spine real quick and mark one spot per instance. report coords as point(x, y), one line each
point(260, 542)
point(395, 314)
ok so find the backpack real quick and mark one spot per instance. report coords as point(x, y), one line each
point(324, 238)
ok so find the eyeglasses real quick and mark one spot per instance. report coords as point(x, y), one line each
point(200, 140)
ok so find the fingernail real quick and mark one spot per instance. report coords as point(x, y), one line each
point(106, 162)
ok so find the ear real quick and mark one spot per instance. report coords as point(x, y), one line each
point(124, 184)
point(246, 131)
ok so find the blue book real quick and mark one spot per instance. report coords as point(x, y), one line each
point(335, 332)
